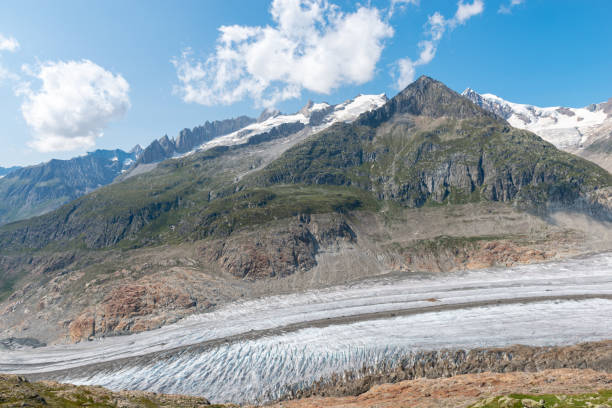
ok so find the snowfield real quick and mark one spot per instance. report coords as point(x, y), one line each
point(566, 128)
point(345, 112)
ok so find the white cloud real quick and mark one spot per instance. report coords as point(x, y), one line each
point(76, 101)
point(437, 25)
point(312, 45)
point(401, 4)
point(405, 72)
point(465, 11)
point(8, 43)
point(507, 9)
point(6, 74)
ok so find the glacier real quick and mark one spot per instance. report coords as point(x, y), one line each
point(256, 350)
point(566, 128)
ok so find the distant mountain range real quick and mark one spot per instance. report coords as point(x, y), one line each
point(242, 130)
point(35, 190)
point(188, 139)
point(586, 131)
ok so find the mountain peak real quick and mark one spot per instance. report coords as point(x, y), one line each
point(429, 97)
point(267, 114)
point(136, 150)
point(306, 108)
point(424, 85)
point(424, 79)
point(469, 91)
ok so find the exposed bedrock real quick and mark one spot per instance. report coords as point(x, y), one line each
point(281, 250)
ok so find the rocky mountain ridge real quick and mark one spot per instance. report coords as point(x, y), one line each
point(459, 152)
point(242, 129)
point(188, 139)
point(585, 131)
point(5, 170)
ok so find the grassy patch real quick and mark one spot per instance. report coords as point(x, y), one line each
point(445, 242)
point(602, 398)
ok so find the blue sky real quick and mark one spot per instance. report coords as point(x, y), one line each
point(110, 74)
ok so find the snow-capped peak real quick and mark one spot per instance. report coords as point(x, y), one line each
point(566, 128)
point(268, 113)
point(314, 116)
point(319, 106)
point(350, 110)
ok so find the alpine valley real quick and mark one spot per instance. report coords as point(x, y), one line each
point(318, 253)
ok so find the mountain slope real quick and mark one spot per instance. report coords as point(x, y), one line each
point(586, 131)
point(426, 146)
point(428, 181)
point(430, 145)
point(35, 190)
point(186, 189)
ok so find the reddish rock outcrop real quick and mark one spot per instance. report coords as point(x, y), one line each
point(130, 308)
point(83, 327)
point(278, 251)
point(449, 254)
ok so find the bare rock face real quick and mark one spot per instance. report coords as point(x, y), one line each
point(280, 250)
point(83, 327)
point(503, 253)
point(131, 308)
point(445, 254)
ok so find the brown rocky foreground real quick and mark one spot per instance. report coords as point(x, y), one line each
point(463, 390)
point(16, 391)
point(454, 392)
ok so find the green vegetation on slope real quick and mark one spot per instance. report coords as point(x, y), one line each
point(18, 392)
point(600, 399)
point(454, 162)
point(195, 195)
